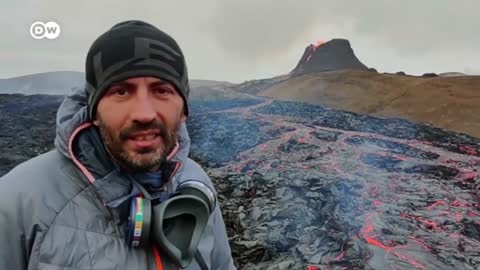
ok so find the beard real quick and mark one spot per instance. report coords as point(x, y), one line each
point(141, 160)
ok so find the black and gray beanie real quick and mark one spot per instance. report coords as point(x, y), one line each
point(131, 49)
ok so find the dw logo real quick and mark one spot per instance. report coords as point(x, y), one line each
point(50, 30)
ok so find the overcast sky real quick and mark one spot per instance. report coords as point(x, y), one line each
point(238, 40)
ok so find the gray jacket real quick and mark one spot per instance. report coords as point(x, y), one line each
point(53, 218)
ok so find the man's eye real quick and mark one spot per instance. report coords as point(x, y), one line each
point(120, 92)
point(162, 91)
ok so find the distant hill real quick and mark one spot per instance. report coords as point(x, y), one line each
point(452, 74)
point(61, 83)
point(49, 83)
point(446, 102)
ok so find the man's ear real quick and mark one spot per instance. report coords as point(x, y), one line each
point(95, 122)
point(183, 118)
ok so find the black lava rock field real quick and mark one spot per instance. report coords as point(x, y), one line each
point(304, 187)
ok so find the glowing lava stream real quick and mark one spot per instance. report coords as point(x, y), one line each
point(385, 195)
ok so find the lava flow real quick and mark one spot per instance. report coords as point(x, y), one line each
point(314, 48)
point(334, 195)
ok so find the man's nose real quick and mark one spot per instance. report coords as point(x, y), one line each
point(143, 109)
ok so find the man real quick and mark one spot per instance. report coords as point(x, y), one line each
point(121, 139)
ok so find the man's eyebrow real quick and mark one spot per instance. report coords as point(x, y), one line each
point(160, 83)
point(128, 84)
point(124, 84)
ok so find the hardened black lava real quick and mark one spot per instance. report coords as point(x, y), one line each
point(304, 187)
point(395, 128)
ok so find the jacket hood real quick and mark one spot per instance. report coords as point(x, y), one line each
point(79, 140)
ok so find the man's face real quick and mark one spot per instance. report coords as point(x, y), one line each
point(138, 120)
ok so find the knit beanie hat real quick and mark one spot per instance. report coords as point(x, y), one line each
point(133, 49)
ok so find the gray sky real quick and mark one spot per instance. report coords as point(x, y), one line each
point(236, 40)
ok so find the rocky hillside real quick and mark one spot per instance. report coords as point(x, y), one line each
point(447, 102)
point(329, 74)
